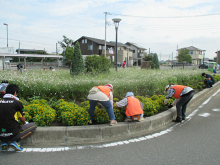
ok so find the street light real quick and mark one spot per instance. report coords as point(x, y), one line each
point(116, 21)
point(7, 32)
point(203, 55)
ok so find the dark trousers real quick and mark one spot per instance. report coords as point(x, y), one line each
point(208, 83)
point(182, 105)
point(26, 130)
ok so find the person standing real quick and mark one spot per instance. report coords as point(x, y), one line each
point(134, 108)
point(183, 95)
point(20, 68)
point(103, 95)
point(209, 80)
point(124, 64)
point(11, 132)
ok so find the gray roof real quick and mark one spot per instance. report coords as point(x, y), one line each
point(98, 41)
point(137, 46)
point(191, 48)
point(30, 55)
point(28, 50)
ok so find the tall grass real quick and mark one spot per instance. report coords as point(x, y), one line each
point(58, 84)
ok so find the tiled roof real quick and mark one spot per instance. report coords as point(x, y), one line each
point(191, 48)
point(136, 45)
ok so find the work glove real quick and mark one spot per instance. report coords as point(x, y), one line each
point(170, 106)
point(166, 101)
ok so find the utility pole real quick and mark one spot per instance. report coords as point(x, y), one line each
point(172, 57)
point(105, 29)
point(19, 48)
point(217, 60)
point(7, 32)
point(56, 48)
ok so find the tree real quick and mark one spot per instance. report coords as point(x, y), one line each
point(68, 55)
point(155, 62)
point(148, 57)
point(66, 42)
point(77, 65)
point(184, 56)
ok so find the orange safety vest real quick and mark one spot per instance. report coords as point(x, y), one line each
point(105, 90)
point(133, 107)
point(178, 89)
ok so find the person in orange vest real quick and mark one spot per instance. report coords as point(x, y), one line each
point(103, 95)
point(183, 95)
point(134, 108)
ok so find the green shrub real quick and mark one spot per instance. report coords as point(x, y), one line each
point(71, 114)
point(97, 64)
point(41, 113)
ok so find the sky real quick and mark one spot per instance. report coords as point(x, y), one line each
point(160, 26)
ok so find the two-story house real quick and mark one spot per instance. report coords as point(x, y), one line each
point(197, 54)
point(138, 52)
point(90, 46)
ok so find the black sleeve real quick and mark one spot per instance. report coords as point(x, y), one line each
point(20, 107)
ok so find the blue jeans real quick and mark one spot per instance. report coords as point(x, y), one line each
point(209, 83)
point(106, 104)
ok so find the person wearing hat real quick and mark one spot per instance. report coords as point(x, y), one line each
point(134, 108)
point(183, 95)
point(103, 95)
point(3, 87)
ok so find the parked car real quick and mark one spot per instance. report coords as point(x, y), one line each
point(203, 66)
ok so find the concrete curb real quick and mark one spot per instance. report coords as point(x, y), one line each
point(75, 135)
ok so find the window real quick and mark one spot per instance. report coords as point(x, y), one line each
point(190, 52)
point(83, 41)
point(100, 47)
point(133, 51)
point(89, 47)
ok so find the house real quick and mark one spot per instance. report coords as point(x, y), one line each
point(90, 46)
point(197, 54)
point(124, 53)
point(138, 52)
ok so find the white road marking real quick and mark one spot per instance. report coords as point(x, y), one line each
point(189, 117)
point(204, 114)
point(216, 110)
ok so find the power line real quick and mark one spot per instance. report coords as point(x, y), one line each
point(27, 41)
point(205, 15)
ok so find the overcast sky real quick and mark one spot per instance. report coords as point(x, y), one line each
point(158, 25)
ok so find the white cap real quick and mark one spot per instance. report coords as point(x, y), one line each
point(129, 94)
point(167, 87)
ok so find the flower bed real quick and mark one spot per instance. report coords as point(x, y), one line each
point(147, 85)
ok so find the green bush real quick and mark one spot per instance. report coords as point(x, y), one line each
point(41, 113)
point(97, 64)
point(71, 114)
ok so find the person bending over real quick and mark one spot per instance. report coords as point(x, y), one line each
point(134, 108)
point(183, 95)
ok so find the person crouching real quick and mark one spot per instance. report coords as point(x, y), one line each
point(134, 108)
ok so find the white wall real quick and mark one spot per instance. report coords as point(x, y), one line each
point(1, 64)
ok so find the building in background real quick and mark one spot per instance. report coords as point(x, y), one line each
point(196, 53)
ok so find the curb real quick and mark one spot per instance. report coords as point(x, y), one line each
point(91, 134)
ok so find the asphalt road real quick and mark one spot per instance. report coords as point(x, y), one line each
point(192, 142)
